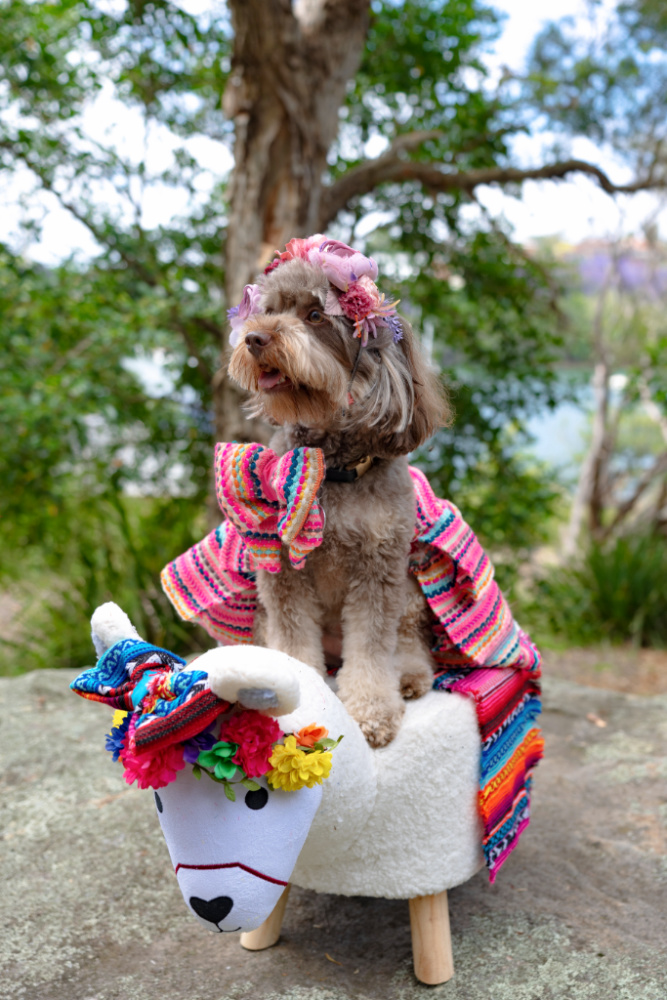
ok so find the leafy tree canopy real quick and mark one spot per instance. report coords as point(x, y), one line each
point(422, 125)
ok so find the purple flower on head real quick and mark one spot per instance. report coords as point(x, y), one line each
point(394, 324)
point(342, 265)
point(237, 315)
point(197, 744)
point(115, 740)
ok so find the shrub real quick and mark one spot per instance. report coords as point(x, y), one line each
point(107, 548)
point(618, 593)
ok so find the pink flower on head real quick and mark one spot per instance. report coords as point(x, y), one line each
point(332, 304)
point(360, 299)
point(300, 248)
point(255, 735)
point(237, 315)
point(366, 307)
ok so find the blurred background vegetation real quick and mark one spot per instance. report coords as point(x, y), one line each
point(109, 397)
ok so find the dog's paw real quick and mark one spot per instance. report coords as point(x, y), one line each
point(379, 722)
point(416, 683)
point(379, 732)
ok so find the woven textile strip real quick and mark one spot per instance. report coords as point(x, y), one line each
point(213, 583)
point(508, 703)
point(478, 648)
point(476, 626)
point(170, 705)
point(272, 501)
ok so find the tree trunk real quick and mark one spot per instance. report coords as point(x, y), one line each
point(290, 67)
point(593, 473)
point(590, 473)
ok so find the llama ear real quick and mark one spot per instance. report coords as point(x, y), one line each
point(430, 407)
point(108, 625)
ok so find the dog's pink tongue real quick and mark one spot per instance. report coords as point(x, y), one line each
point(267, 380)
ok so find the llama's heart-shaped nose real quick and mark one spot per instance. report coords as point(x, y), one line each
point(213, 910)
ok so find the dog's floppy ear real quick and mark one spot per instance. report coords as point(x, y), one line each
point(430, 409)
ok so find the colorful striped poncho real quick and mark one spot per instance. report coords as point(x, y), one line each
point(478, 649)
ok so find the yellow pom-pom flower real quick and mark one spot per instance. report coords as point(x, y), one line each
point(293, 768)
point(118, 717)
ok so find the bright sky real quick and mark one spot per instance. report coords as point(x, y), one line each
point(575, 209)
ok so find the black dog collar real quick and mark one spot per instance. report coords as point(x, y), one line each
point(350, 473)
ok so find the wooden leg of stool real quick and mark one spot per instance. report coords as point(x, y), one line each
point(267, 934)
point(431, 940)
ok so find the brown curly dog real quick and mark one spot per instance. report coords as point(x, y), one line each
point(364, 408)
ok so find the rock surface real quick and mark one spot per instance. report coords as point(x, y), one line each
point(91, 909)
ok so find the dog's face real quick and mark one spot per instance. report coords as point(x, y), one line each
point(294, 359)
point(298, 362)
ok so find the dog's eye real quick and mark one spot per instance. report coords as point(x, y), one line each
point(158, 802)
point(315, 317)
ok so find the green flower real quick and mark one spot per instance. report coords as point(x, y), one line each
point(218, 758)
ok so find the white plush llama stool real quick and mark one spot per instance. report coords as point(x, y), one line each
point(399, 823)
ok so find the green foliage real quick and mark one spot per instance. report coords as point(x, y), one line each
point(104, 479)
point(617, 593)
point(607, 82)
point(92, 443)
point(85, 436)
point(54, 57)
point(423, 69)
point(80, 417)
point(109, 549)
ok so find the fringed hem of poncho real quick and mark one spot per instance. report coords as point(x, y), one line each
point(478, 648)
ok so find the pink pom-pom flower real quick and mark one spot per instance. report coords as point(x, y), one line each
point(255, 735)
point(154, 769)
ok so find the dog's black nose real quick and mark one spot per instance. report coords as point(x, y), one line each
point(257, 341)
point(213, 910)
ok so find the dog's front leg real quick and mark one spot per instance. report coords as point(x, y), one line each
point(293, 615)
point(368, 681)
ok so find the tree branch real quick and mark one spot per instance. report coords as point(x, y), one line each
point(391, 167)
point(652, 408)
point(138, 267)
point(529, 260)
point(657, 469)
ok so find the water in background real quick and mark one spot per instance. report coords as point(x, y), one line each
point(561, 435)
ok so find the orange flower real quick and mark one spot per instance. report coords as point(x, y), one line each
point(310, 735)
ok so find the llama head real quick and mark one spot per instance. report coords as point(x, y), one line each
point(233, 859)
point(235, 791)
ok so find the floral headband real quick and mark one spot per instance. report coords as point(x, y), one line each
point(353, 294)
point(248, 746)
point(167, 717)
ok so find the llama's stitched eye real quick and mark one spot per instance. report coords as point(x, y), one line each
point(315, 317)
point(257, 799)
point(158, 802)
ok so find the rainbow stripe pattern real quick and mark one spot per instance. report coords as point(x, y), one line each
point(478, 648)
point(272, 501)
point(175, 704)
point(475, 625)
point(508, 703)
